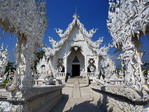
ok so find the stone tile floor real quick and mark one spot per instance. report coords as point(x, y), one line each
point(78, 99)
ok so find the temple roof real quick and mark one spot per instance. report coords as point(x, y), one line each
point(56, 46)
point(75, 21)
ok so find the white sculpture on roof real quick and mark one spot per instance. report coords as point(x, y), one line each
point(95, 44)
point(71, 25)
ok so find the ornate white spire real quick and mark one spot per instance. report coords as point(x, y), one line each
point(76, 16)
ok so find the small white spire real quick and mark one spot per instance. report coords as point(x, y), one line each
point(76, 16)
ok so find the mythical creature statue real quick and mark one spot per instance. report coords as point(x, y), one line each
point(59, 32)
point(107, 68)
point(92, 32)
point(44, 71)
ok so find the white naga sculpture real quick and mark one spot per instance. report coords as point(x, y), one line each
point(3, 62)
point(128, 21)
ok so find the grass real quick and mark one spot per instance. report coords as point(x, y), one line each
point(2, 85)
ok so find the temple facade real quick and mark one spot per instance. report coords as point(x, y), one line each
point(75, 54)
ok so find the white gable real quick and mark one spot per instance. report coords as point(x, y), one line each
point(76, 34)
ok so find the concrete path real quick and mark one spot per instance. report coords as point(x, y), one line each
point(76, 90)
point(77, 99)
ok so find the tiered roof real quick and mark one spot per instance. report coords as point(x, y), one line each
point(65, 34)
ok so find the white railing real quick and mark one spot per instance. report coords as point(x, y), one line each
point(60, 75)
point(117, 82)
point(91, 75)
point(39, 81)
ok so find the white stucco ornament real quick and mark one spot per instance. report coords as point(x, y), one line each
point(28, 24)
point(8, 107)
point(148, 77)
point(128, 21)
point(107, 68)
point(3, 61)
point(43, 69)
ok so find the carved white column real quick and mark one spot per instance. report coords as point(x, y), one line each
point(65, 64)
point(25, 58)
point(128, 21)
point(97, 66)
point(131, 60)
point(86, 64)
point(22, 79)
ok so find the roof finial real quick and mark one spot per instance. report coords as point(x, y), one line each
point(76, 16)
point(76, 9)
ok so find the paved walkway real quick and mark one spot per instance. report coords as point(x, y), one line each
point(77, 99)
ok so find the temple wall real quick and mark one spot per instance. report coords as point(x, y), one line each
point(38, 99)
point(95, 57)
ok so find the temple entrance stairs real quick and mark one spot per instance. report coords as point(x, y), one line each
point(77, 81)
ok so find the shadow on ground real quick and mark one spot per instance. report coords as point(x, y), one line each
point(86, 106)
point(61, 104)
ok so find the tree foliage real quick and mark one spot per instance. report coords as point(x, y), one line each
point(40, 54)
point(11, 66)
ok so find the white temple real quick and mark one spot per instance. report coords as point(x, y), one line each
point(75, 54)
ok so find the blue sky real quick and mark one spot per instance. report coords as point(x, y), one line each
point(93, 14)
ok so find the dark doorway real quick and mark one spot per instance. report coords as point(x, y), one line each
point(75, 70)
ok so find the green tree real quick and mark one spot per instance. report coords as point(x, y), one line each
point(39, 54)
point(11, 66)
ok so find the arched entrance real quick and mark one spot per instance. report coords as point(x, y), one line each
point(76, 67)
point(75, 62)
